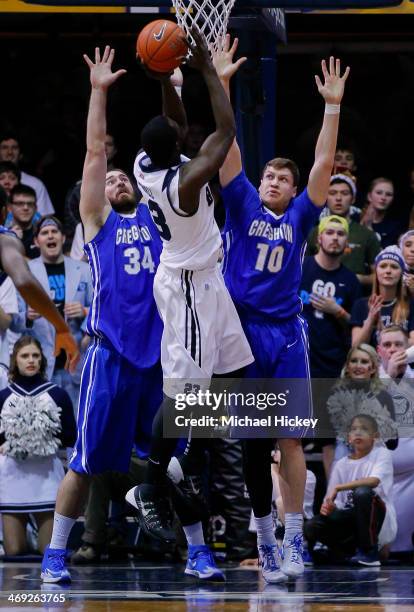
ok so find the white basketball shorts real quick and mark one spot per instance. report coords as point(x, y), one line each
point(202, 330)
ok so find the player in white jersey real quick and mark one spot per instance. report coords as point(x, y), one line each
point(202, 331)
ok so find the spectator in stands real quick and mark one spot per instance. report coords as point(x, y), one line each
point(328, 291)
point(71, 212)
point(363, 246)
point(345, 162)
point(388, 302)
point(36, 418)
point(376, 216)
point(9, 176)
point(398, 377)
point(70, 286)
point(406, 244)
point(360, 390)
point(22, 206)
point(357, 514)
point(10, 151)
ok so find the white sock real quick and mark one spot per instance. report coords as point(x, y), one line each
point(293, 525)
point(62, 526)
point(265, 530)
point(194, 534)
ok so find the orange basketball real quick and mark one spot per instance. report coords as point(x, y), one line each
point(161, 45)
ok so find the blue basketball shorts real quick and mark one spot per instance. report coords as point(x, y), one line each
point(117, 404)
point(281, 351)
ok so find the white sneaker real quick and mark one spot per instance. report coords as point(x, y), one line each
point(292, 564)
point(269, 561)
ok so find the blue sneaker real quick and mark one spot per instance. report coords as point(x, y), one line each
point(293, 565)
point(201, 564)
point(54, 566)
point(269, 560)
point(369, 558)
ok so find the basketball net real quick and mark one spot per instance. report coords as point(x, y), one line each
point(209, 16)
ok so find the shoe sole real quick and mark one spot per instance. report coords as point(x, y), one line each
point(212, 577)
point(52, 580)
point(130, 498)
point(369, 563)
point(281, 578)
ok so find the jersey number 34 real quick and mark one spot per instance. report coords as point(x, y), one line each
point(135, 263)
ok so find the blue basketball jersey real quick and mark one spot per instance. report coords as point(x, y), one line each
point(124, 257)
point(264, 251)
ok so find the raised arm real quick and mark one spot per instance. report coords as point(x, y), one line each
point(14, 264)
point(213, 152)
point(94, 207)
point(332, 91)
point(226, 68)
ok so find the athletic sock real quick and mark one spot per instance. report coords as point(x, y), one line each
point(293, 525)
point(194, 534)
point(265, 530)
point(62, 526)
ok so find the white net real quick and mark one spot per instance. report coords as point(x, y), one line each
point(210, 16)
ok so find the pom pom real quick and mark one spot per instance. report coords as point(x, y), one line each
point(31, 426)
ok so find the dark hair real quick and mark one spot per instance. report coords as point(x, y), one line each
point(278, 163)
point(39, 224)
point(10, 136)
point(22, 342)
point(159, 141)
point(8, 166)
point(3, 197)
point(368, 418)
point(336, 181)
point(22, 189)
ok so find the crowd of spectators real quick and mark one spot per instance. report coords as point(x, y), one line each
point(357, 292)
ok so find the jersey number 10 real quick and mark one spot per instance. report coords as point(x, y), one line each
point(273, 261)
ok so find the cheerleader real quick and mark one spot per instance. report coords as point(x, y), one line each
point(36, 418)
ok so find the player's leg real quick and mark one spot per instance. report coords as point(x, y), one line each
point(105, 420)
point(44, 522)
point(265, 341)
point(293, 365)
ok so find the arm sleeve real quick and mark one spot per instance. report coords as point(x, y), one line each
point(382, 468)
point(8, 297)
point(359, 312)
point(240, 198)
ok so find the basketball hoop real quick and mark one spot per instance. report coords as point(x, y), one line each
point(209, 16)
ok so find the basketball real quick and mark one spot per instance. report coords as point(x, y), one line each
point(161, 45)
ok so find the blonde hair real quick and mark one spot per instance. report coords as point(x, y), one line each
point(373, 355)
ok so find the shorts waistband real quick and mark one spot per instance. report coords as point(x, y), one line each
point(183, 273)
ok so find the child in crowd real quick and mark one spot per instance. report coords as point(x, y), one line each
point(357, 516)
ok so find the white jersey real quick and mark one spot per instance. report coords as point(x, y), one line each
point(190, 241)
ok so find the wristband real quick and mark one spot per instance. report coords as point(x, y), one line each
point(332, 109)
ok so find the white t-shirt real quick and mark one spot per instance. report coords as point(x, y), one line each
point(78, 243)
point(8, 301)
point(190, 242)
point(402, 393)
point(377, 464)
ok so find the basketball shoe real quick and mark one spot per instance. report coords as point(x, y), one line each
point(54, 566)
point(154, 512)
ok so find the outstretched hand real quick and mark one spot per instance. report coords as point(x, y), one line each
point(101, 75)
point(223, 60)
point(200, 55)
point(333, 87)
